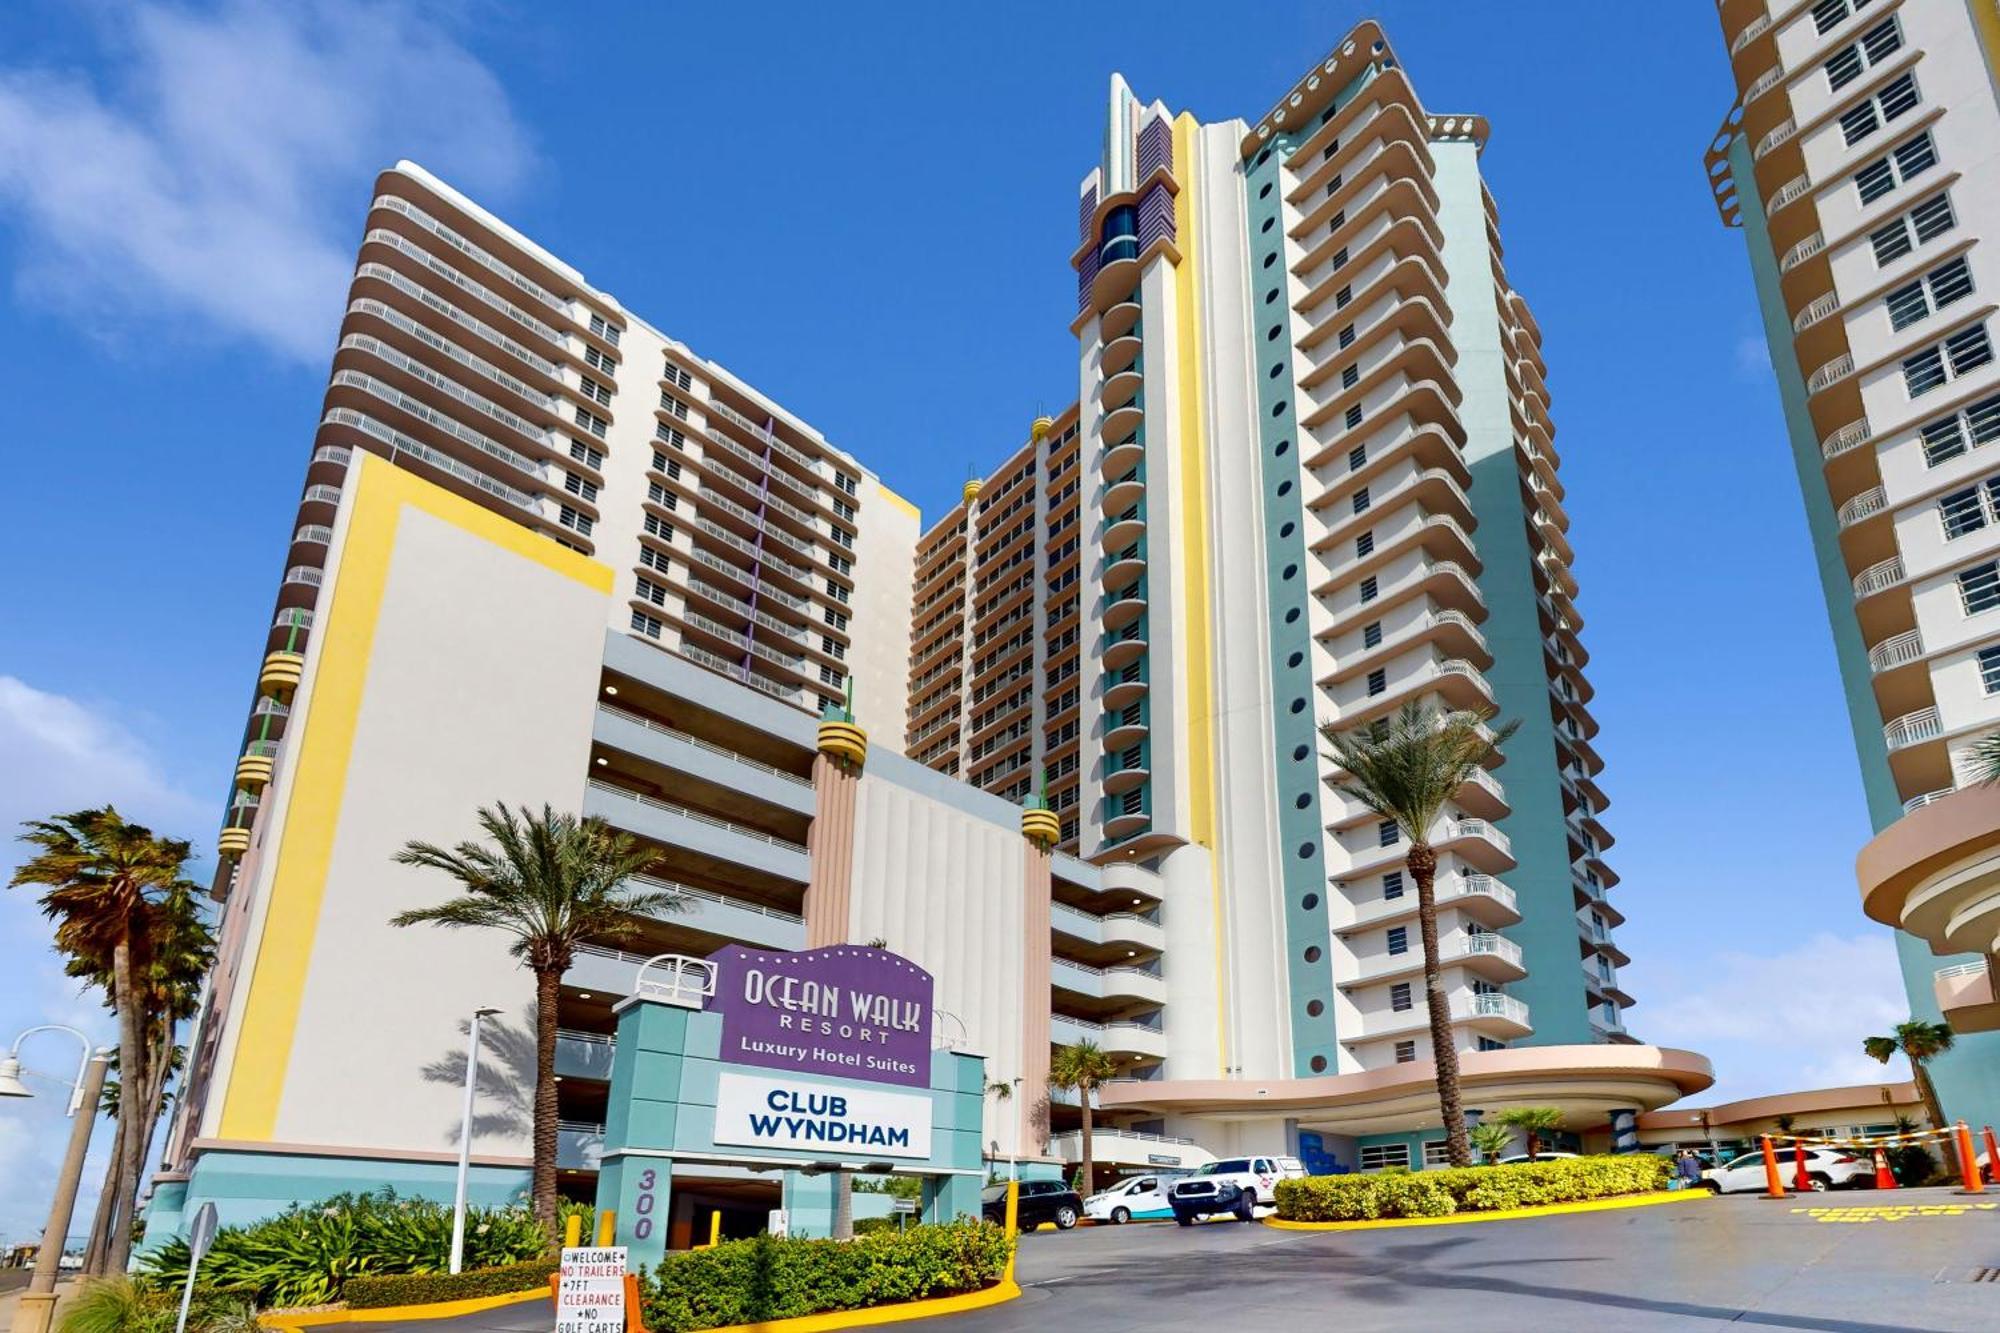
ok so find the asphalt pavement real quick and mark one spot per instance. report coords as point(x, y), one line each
point(1920, 1265)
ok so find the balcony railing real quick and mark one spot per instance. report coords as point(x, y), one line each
point(1818, 309)
point(1480, 828)
point(727, 825)
point(1870, 501)
point(1492, 946)
point(1801, 252)
point(1790, 192)
point(1913, 729)
point(1895, 651)
point(639, 719)
point(1916, 803)
point(1763, 83)
point(1756, 28)
point(1882, 574)
point(1492, 1006)
point(1482, 886)
point(1779, 135)
point(1833, 372)
point(1854, 433)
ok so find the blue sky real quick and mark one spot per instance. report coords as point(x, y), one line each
point(867, 211)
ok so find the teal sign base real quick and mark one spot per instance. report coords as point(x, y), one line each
point(676, 1108)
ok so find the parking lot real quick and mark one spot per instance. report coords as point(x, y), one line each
point(1909, 1260)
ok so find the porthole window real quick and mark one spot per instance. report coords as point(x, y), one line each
point(1306, 850)
point(1263, 157)
point(1278, 408)
point(1265, 193)
point(1267, 224)
point(1310, 901)
point(1298, 705)
point(1283, 446)
point(1285, 487)
point(1286, 529)
point(1299, 752)
point(1270, 259)
point(1291, 572)
point(1296, 658)
point(1314, 1008)
point(1318, 1063)
point(1312, 953)
point(1270, 296)
point(1304, 799)
point(1277, 369)
point(1272, 336)
point(1292, 618)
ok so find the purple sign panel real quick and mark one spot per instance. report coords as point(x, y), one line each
point(844, 1010)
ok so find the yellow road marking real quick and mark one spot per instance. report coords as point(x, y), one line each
point(1894, 1212)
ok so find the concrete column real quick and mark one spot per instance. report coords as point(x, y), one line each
point(1031, 1097)
point(830, 846)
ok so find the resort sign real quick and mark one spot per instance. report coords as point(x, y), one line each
point(801, 1115)
point(845, 1010)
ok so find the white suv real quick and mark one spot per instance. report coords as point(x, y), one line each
point(1826, 1168)
point(1230, 1185)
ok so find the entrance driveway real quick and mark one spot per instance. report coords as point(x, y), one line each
point(1677, 1266)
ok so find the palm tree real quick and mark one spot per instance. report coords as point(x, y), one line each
point(1534, 1121)
point(1406, 768)
point(1920, 1042)
point(552, 881)
point(1001, 1092)
point(104, 878)
point(1082, 1066)
point(1982, 761)
point(1491, 1139)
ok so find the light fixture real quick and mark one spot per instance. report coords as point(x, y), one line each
point(1131, 953)
point(602, 762)
point(583, 995)
point(10, 1079)
point(611, 689)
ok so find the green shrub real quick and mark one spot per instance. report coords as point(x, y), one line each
point(1470, 1189)
point(369, 1293)
point(307, 1254)
point(751, 1281)
point(864, 1225)
point(119, 1305)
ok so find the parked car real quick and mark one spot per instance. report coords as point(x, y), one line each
point(1233, 1185)
point(1826, 1168)
point(1513, 1159)
point(1136, 1197)
point(1041, 1201)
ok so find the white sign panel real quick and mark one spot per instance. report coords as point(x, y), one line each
point(590, 1291)
point(818, 1118)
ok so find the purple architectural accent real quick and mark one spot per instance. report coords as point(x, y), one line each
point(1086, 274)
point(1156, 216)
point(844, 1010)
point(1156, 147)
point(1086, 209)
point(757, 570)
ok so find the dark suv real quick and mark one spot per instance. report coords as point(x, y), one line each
point(1041, 1201)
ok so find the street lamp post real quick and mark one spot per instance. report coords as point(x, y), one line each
point(465, 1140)
point(38, 1302)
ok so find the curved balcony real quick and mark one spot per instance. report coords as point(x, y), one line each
point(1865, 505)
point(1117, 424)
point(1800, 253)
point(1122, 492)
point(1894, 652)
point(1913, 729)
point(1816, 310)
point(233, 841)
point(1126, 727)
point(281, 673)
point(1119, 320)
point(1830, 374)
point(1496, 1015)
point(1120, 390)
point(1125, 686)
point(1123, 566)
point(1756, 28)
point(1793, 190)
point(1108, 983)
point(1479, 844)
point(1126, 770)
point(1764, 83)
point(1494, 957)
point(1129, 929)
point(1126, 647)
point(254, 766)
point(1122, 457)
point(1851, 436)
point(1133, 1040)
point(1124, 607)
point(1120, 356)
point(1936, 873)
point(1879, 577)
point(1780, 134)
point(1487, 900)
point(1123, 529)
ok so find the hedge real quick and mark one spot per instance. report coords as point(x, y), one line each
point(752, 1281)
point(1471, 1189)
point(368, 1293)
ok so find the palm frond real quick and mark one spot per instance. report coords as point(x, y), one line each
point(1407, 766)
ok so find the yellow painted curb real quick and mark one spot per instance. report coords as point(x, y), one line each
point(883, 1314)
point(1499, 1214)
point(389, 1313)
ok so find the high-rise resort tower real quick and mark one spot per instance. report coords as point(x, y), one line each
point(547, 553)
point(1862, 163)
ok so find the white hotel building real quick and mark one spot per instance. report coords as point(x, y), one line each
point(546, 552)
point(1862, 163)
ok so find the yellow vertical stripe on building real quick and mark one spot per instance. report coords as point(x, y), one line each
point(1194, 551)
point(303, 845)
point(1986, 18)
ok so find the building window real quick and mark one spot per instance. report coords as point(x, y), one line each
point(1989, 669)
point(1925, 296)
point(1342, 297)
point(1406, 1053)
point(668, 435)
point(654, 559)
point(1357, 457)
point(576, 485)
point(1399, 998)
point(841, 535)
point(1347, 337)
point(840, 563)
point(1488, 1044)
point(1368, 589)
point(1381, 1156)
point(1378, 681)
point(646, 625)
point(576, 522)
point(1387, 833)
point(591, 422)
point(594, 391)
point(833, 647)
point(586, 455)
point(1969, 509)
point(1885, 173)
point(650, 591)
point(1948, 437)
point(1399, 940)
point(1875, 46)
point(1350, 376)
point(1897, 98)
point(829, 675)
point(659, 527)
point(1353, 417)
point(836, 619)
point(677, 376)
point(845, 484)
point(1437, 1153)
point(1897, 237)
point(1371, 634)
point(1392, 884)
point(1979, 587)
point(1359, 501)
point(605, 329)
point(844, 509)
point(1960, 354)
point(1364, 545)
point(1830, 14)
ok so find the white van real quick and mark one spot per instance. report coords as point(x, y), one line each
point(1137, 1198)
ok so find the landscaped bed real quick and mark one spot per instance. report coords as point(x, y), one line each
point(1476, 1189)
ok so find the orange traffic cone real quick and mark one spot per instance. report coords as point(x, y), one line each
point(1885, 1179)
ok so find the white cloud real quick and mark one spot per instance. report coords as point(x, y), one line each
point(61, 755)
point(1753, 357)
point(214, 175)
point(1780, 1021)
